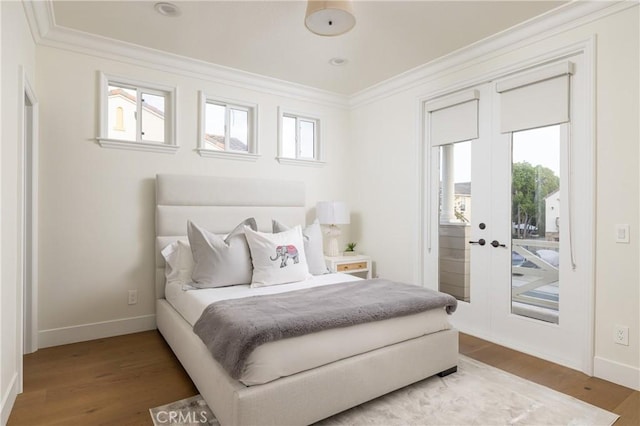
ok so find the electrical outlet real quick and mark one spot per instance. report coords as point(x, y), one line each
point(133, 297)
point(621, 334)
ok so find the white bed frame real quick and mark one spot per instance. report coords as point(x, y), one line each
point(219, 204)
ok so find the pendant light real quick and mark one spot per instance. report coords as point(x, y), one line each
point(329, 18)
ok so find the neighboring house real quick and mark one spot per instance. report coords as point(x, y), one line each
point(217, 142)
point(122, 120)
point(462, 200)
point(552, 215)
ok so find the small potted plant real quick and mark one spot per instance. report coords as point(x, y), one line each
point(351, 249)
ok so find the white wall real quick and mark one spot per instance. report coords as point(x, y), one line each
point(18, 50)
point(97, 204)
point(385, 139)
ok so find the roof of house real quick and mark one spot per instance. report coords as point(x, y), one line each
point(129, 97)
point(218, 141)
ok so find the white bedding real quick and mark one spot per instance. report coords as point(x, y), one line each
point(289, 356)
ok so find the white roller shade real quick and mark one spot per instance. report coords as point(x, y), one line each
point(535, 99)
point(454, 118)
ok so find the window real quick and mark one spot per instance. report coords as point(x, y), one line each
point(227, 129)
point(119, 126)
point(299, 139)
point(452, 131)
point(136, 115)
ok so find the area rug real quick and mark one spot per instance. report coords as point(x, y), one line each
point(477, 394)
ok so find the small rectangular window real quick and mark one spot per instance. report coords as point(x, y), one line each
point(299, 139)
point(288, 137)
point(214, 127)
point(152, 120)
point(227, 129)
point(136, 115)
point(307, 139)
point(238, 130)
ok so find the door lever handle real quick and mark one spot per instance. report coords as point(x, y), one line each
point(495, 243)
point(481, 241)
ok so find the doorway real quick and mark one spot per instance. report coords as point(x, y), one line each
point(506, 239)
point(29, 219)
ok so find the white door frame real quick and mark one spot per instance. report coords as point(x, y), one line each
point(427, 256)
point(28, 215)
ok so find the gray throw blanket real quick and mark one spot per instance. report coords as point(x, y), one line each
point(232, 329)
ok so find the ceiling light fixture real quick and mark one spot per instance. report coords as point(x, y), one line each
point(167, 9)
point(329, 18)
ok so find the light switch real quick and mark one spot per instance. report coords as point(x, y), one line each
point(622, 233)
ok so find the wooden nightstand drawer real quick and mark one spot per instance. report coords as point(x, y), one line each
point(357, 265)
point(351, 266)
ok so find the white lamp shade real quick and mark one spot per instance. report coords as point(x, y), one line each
point(329, 18)
point(332, 213)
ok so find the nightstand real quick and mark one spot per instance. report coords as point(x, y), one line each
point(350, 264)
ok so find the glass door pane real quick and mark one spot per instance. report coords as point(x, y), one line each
point(288, 137)
point(238, 130)
point(214, 126)
point(152, 123)
point(454, 227)
point(535, 222)
point(307, 139)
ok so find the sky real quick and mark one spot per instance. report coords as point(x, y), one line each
point(537, 147)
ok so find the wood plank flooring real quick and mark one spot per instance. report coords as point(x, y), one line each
point(617, 399)
point(115, 381)
point(102, 382)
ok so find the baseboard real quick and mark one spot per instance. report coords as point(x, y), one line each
point(97, 330)
point(621, 374)
point(6, 404)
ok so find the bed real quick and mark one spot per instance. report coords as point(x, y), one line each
point(299, 397)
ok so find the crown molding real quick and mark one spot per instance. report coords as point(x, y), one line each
point(46, 32)
point(40, 18)
point(567, 17)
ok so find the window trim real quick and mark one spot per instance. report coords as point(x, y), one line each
point(252, 132)
point(169, 146)
point(318, 160)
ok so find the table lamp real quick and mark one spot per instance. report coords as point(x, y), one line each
point(332, 213)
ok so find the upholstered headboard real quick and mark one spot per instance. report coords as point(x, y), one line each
point(218, 204)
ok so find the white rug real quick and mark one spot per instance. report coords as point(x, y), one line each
point(477, 394)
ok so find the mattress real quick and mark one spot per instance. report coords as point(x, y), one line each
point(285, 357)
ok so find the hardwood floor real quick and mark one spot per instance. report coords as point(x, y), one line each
point(617, 399)
point(115, 381)
point(102, 382)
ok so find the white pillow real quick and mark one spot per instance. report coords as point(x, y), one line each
point(220, 261)
point(179, 262)
point(277, 258)
point(313, 247)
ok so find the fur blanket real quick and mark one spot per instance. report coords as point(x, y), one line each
point(232, 329)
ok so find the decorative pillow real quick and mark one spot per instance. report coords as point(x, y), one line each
point(179, 262)
point(220, 261)
point(277, 258)
point(313, 248)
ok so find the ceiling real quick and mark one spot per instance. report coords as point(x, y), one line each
point(269, 37)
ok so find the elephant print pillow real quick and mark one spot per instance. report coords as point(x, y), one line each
point(277, 258)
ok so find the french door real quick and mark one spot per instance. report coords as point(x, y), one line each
point(512, 211)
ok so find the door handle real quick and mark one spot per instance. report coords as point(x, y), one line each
point(481, 241)
point(495, 243)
